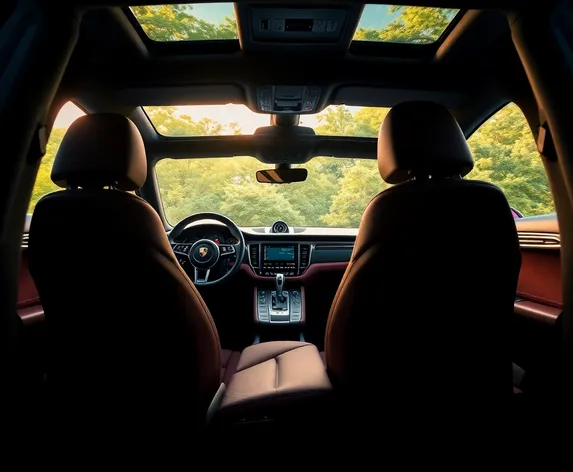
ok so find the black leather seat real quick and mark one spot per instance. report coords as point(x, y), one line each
point(425, 303)
point(132, 344)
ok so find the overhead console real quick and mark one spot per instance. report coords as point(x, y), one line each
point(297, 24)
point(288, 99)
point(270, 28)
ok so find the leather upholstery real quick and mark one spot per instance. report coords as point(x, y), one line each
point(428, 295)
point(129, 334)
point(418, 139)
point(276, 373)
point(100, 150)
point(229, 363)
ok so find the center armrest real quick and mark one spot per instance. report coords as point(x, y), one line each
point(273, 377)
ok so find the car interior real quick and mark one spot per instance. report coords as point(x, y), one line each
point(296, 218)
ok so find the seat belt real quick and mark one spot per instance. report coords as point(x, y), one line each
point(545, 144)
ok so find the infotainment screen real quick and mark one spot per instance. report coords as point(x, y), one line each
point(279, 253)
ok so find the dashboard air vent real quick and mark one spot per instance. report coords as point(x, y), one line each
point(254, 250)
point(279, 227)
point(539, 240)
point(304, 256)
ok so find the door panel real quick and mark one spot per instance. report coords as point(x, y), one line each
point(540, 277)
point(539, 298)
point(29, 306)
point(30, 310)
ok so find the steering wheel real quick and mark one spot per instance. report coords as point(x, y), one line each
point(204, 254)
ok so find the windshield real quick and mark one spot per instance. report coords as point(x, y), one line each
point(335, 194)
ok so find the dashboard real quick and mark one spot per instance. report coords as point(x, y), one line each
point(269, 253)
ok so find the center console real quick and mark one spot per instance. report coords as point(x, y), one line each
point(279, 305)
point(279, 298)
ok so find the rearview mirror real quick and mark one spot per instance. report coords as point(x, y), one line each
point(281, 176)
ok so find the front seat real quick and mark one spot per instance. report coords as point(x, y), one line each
point(131, 340)
point(424, 305)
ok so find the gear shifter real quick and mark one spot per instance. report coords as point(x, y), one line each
point(279, 301)
point(279, 284)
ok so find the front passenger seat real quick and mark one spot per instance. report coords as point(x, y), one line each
point(424, 307)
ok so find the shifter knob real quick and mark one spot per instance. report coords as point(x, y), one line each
point(279, 284)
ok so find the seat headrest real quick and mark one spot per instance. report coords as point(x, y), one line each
point(421, 139)
point(101, 149)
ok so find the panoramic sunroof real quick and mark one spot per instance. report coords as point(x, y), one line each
point(188, 22)
point(403, 24)
point(234, 119)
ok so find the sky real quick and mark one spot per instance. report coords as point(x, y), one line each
point(68, 114)
point(224, 114)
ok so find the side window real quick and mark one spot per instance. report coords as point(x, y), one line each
point(506, 155)
point(44, 184)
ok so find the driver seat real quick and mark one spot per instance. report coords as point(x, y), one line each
point(131, 341)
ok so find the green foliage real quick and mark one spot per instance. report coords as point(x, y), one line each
point(339, 121)
point(358, 185)
point(228, 186)
point(417, 25)
point(177, 23)
point(337, 190)
point(506, 155)
point(169, 123)
point(44, 184)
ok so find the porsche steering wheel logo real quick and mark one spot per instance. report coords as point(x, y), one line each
point(203, 251)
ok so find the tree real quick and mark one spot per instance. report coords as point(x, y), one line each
point(337, 120)
point(44, 184)
point(505, 155)
point(313, 198)
point(419, 25)
point(177, 23)
point(359, 184)
point(168, 123)
point(254, 204)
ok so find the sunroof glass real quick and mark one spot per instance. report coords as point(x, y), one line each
point(403, 24)
point(188, 22)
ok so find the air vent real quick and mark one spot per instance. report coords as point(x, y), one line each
point(279, 227)
point(25, 241)
point(304, 256)
point(539, 240)
point(254, 250)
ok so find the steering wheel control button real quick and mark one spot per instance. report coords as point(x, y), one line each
point(226, 249)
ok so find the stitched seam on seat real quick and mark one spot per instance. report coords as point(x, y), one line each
point(275, 358)
point(276, 374)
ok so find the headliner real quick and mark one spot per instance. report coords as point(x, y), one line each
point(474, 70)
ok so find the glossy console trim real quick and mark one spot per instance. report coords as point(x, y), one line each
point(256, 303)
point(536, 311)
point(31, 314)
point(313, 270)
point(303, 308)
